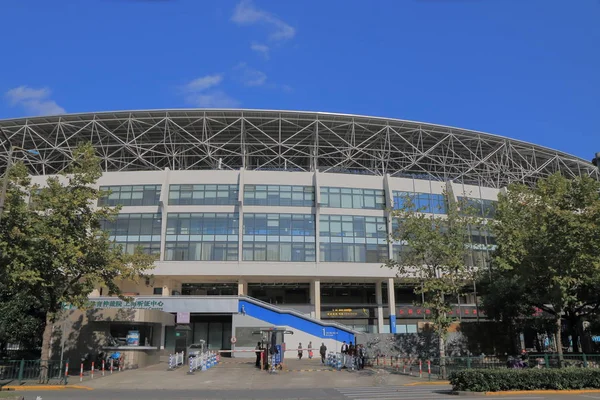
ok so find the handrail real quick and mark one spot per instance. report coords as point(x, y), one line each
point(297, 314)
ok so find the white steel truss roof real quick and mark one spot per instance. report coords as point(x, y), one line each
point(277, 140)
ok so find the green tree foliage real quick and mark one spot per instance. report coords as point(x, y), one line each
point(53, 246)
point(437, 253)
point(549, 249)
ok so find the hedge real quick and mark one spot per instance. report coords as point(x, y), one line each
point(495, 380)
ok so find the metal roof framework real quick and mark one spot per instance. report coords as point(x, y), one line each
point(197, 139)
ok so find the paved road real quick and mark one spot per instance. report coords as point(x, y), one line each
point(355, 393)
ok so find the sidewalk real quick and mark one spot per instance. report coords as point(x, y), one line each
point(242, 375)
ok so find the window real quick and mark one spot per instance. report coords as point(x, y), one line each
point(157, 291)
point(279, 237)
point(353, 239)
point(135, 230)
point(279, 195)
point(480, 207)
point(203, 195)
point(424, 202)
point(333, 197)
point(202, 237)
point(132, 195)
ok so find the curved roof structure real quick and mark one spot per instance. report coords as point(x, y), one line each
point(191, 139)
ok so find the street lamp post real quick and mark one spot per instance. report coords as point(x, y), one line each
point(11, 150)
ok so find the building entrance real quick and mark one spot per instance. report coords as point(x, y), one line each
point(215, 330)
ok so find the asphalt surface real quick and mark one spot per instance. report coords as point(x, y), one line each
point(355, 393)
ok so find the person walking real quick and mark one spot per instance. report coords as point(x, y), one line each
point(258, 352)
point(310, 351)
point(323, 352)
point(299, 351)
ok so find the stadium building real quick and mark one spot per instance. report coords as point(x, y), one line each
point(268, 218)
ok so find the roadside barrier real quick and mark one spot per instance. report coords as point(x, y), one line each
point(92, 373)
point(175, 360)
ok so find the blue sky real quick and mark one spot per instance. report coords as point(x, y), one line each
point(527, 69)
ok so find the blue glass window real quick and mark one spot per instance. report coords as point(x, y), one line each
point(345, 238)
point(371, 199)
point(203, 195)
point(480, 207)
point(202, 237)
point(135, 230)
point(130, 195)
point(279, 195)
point(279, 237)
point(424, 202)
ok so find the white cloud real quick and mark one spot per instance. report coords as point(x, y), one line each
point(214, 99)
point(246, 14)
point(203, 92)
point(249, 76)
point(261, 49)
point(204, 82)
point(34, 101)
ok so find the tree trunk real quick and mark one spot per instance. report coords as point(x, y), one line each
point(46, 343)
point(442, 349)
point(559, 349)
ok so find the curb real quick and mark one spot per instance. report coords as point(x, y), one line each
point(525, 392)
point(427, 383)
point(46, 387)
point(567, 391)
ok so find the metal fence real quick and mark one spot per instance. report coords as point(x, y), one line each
point(19, 371)
point(430, 368)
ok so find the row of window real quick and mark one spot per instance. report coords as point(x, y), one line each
point(266, 237)
point(279, 195)
point(285, 195)
point(423, 202)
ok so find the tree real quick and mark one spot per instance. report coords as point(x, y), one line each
point(548, 242)
point(53, 245)
point(436, 250)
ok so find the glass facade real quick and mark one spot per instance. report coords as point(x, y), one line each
point(203, 195)
point(481, 207)
point(135, 230)
point(424, 202)
point(279, 237)
point(279, 195)
point(353, 238)
point(130, 195)
point(333, 197)
point(202, 237)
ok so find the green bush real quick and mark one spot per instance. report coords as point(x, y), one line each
point(495, 380)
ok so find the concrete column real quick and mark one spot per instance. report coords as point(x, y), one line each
point(315, 297)
point(379, 300)
point(392, 305)
point(242, 287)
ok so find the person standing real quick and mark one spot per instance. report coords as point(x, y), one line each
point(344, 352)
point(258, 353)
point(323, 352)
point(310, 351)
point(351, 356)
point(299, 351)
point(361, 356)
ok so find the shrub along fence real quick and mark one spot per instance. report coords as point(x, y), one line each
point(496, 380)
point(430, 368)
